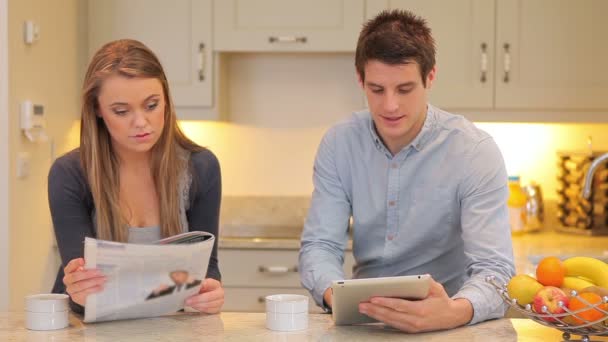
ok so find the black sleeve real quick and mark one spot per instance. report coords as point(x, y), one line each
point(205, 198)
point(70, 203)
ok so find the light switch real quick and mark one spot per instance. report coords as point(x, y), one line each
point(23, 165)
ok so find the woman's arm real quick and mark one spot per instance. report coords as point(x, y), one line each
point(205, 198)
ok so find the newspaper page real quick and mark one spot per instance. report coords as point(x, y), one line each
point(146, 280)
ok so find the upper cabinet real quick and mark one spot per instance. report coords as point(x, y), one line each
point(550, 54)
point(538, 56)
point(287, 25)
point(464, 37)
point(179, 32)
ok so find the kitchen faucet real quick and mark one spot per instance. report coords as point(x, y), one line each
point(588, 181)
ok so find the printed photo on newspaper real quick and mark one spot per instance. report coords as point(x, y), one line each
point(146, 280)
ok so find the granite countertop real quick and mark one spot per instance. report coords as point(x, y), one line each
point(231, 326)
point(229, 242)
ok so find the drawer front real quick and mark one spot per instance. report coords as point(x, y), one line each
point(265, 268)
point(252, 299)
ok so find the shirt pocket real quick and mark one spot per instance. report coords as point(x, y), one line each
point(433, 206)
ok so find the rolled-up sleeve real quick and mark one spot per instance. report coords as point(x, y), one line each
point(485, 229)
point(325, 236)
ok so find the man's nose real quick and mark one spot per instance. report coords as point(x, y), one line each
point(390, 103)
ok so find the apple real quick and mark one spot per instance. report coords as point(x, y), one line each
point(523, 288)
point(550, 296)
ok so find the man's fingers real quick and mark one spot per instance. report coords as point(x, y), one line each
point(399, 320)
point(73, 265)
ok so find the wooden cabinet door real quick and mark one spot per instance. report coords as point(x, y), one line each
point(287, 25)
point(178, 31)
point(551, 55)
point(464, 37)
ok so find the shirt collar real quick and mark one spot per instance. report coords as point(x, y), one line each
point(419, 141)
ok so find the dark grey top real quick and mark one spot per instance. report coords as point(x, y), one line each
point(72, 207)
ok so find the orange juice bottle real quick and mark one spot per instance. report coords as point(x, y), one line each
point(517, 206)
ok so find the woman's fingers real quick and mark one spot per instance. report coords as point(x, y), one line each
point(77, 276)
point(81, 297)
point(73, 265)
point(85, 284)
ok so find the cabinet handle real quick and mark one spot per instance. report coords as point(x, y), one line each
point(484, 62)
point(287, 39)
point(507, 62)
point(201, 61)
point(261, 299)
point(278, 269)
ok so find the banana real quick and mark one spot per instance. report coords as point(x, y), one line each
point(590, 268)
point(575, 283)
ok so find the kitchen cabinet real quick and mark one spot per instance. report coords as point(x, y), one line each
point(249, 275)
point(287, 25)
point(538, 56)
point(179, 32)
point(464, 34)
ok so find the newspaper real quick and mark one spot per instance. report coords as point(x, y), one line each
point(146, 280)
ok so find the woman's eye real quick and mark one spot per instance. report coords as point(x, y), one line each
point(120, 111)
point(151, 106)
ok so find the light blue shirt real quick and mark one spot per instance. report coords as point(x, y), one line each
point(437, 207)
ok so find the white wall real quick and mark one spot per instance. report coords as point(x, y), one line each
point(4, 147)
point(47, 72)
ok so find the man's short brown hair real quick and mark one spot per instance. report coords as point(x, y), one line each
point(396, 37)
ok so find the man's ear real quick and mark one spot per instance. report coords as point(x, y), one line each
point(431, 77)
point(360, 81)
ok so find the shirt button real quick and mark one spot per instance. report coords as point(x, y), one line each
point(394, 165)
point(391, 203)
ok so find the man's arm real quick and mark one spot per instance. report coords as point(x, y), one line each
point(325, 231)
point(485, 230)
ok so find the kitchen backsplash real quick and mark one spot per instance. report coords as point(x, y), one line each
point(263, 216)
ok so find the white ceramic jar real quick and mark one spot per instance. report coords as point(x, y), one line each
point(286, 312)
point(46, 311)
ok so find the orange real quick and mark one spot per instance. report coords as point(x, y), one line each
point(550, 272)
point(590, 315)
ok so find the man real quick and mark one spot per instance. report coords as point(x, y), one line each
point(182, 282)
point(426, 189)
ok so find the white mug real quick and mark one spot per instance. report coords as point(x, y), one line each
point(286, 312)
point(46, 311)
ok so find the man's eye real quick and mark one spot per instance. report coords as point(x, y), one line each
point(404, 91)
point(377, 91)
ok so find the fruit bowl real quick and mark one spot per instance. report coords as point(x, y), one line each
point(562, 321)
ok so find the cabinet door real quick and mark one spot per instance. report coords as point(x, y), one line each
point(287, 25)
point(464, 38)
point(178, 31)
point(550, 54)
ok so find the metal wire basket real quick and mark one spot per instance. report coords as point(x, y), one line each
point(559, 321)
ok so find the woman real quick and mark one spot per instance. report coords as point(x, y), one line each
point(135, 177)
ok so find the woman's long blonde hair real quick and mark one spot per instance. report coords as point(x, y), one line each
point(129, 58)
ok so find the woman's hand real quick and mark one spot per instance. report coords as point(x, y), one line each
point(210, 297)
point(79, 283)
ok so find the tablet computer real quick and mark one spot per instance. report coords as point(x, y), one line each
point(347, 294)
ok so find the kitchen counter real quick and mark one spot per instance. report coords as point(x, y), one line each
point(264, 243)
point(527, 249)
point(231, 326)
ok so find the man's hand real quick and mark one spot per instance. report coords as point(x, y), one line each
point(210, 298)
point(327, 296)
point(435, 312)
